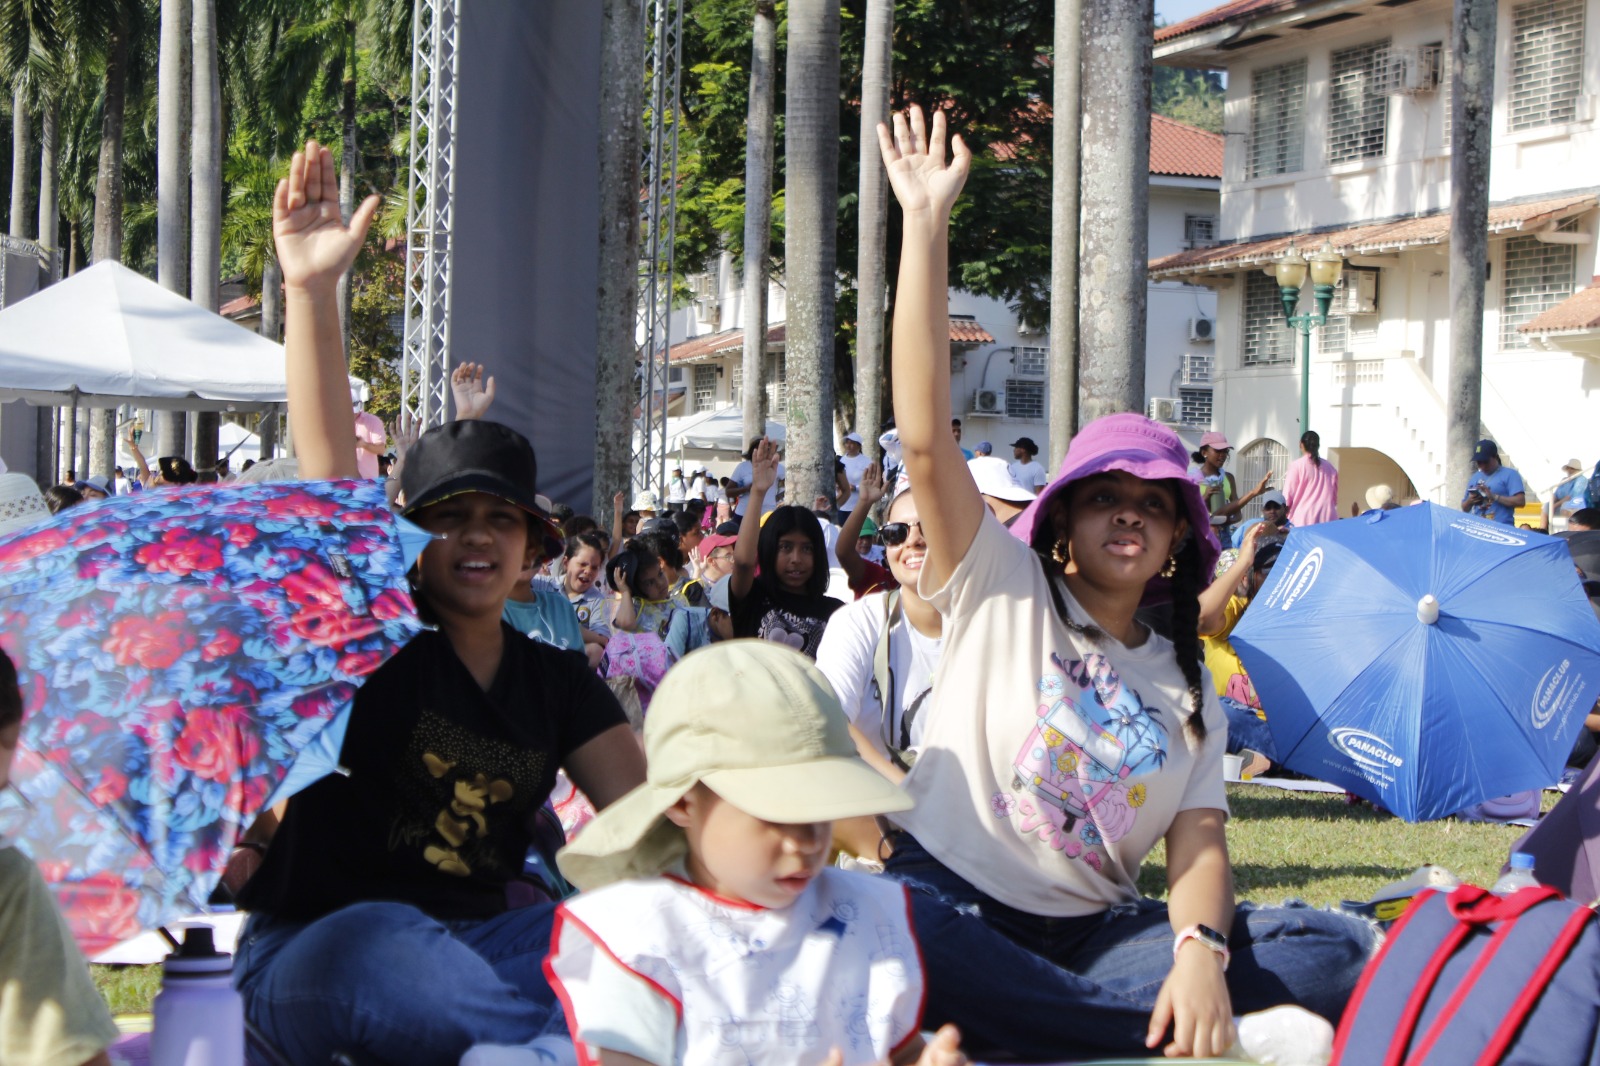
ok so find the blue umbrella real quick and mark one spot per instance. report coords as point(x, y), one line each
point(1423, 658)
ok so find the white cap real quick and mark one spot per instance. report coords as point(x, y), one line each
point(994, 478)
point(21, 503)
point(853, 435)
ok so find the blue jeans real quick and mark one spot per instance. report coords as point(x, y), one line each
point(384, 983)
point(1246, 730)
point(1044, 989)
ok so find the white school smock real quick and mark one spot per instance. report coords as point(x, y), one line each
point(661, 969)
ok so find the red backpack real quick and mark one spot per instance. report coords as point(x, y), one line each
point(1474, 978)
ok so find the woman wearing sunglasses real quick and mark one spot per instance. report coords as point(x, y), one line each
point(880, 652)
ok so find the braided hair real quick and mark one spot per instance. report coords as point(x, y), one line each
point(1186, 585)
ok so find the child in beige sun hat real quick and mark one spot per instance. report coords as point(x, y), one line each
point(711, 921)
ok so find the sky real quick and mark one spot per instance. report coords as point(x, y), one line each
point(1170, 11)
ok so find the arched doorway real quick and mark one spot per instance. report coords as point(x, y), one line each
point(1253, 460)
point(1362, 468)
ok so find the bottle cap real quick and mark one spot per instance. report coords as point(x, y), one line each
point(1521, 860)
point(197, 956)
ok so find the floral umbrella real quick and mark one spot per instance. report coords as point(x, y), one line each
point(187, 657)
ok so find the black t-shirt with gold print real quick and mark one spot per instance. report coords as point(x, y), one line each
point(443, 780)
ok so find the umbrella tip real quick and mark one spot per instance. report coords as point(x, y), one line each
point(1428, 609)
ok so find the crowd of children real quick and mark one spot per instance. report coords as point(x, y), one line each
point(1010, 800)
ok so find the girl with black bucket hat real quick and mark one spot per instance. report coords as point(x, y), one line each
point(379, 926)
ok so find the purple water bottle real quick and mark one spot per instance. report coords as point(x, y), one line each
point(199, 1018)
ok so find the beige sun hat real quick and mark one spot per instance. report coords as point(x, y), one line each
point(21, 503)
point(760, 726)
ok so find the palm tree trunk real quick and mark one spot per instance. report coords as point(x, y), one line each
point(49, 201)
point(811, 183)
point(622, 39)
point(172, 182)
point(871, 257)
point(758, 213)
point(21, 150)
point(108, 177)
point(205, 244)
point(347, 173)
point(1115, 166)
point(1065, 201)
point(271, 328)
point(1472, 109)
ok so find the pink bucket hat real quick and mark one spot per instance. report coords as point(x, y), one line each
point(1145, 449)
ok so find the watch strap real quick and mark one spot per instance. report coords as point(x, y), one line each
point(1209, 937)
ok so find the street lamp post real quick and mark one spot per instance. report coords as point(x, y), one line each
point(1325, 265)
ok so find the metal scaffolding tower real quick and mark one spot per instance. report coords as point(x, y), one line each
point(660, 176)
point(430, 211)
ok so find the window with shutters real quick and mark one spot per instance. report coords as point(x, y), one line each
point(1199, 231)
point(1358, 113)
point(1335, 333)
point(1546, 63)
point(1196, 406)
point(1534, 278)
point(1031, 362)
point(1277, 119)
point(738, 383)
point(705, 388)
point(777, 387)
point(1267, 337)
point(1024, 400)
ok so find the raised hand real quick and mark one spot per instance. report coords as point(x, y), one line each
point(870, 491)
point(922, 179)
point(315, 246)
point(473, 395)
point(763, 469)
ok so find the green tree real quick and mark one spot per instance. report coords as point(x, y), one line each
point(1192, 96)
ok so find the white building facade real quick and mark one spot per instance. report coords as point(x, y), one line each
point(1337, 130)
point(999, 365)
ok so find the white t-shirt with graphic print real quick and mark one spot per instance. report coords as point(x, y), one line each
point(1051, 765)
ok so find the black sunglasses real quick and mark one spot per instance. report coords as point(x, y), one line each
point(894, 534)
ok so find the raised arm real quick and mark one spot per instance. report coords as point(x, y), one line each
point(473, 394)
point(871, 491)
point(926, 185)
point(138, 457)
point(315, 248)
point(746, 550)
point(1215, 598)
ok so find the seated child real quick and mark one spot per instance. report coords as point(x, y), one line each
point(712, 923)
point(50, 1011)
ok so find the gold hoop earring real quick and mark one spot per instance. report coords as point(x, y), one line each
point(1060, 553)
point(1170, 570)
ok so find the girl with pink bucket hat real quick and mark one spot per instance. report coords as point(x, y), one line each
point(1065, 739)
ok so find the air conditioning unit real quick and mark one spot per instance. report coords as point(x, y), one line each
point(1166, 409)
point(1408, 71)
point(990, 403)
point(1358, 293)
point(1202, 329)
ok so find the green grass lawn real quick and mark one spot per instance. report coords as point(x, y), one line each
point(1284, 844)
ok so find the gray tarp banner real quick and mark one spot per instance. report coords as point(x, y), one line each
point(526, 244)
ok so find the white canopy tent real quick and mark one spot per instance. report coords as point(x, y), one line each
point(108, 336)
point(721, 430)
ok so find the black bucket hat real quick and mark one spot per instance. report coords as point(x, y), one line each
point(475, 456)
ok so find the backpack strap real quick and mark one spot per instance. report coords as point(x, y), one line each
point(1507, 1031)
point(883, 682)
point(1388, 1021)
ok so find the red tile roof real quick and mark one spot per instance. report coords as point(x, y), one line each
point(1237, 9)
point(717, 343)
point(963, 330)
point(1181, 150)
point(1580, 311)
point(1365, 239)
